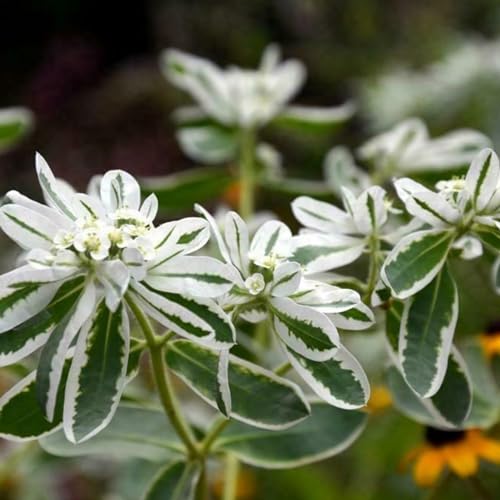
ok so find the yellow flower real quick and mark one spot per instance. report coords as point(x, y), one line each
point(460, 451)
point(380, 399)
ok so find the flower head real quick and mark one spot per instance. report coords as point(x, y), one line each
point(460, 451)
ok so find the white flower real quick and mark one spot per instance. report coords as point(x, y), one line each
point(237, 96)
point(84, 253)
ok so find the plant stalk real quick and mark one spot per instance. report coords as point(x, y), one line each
point(164, 383)
point(247, 173)
point(231, 477)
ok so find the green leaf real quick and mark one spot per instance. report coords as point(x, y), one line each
point(259, 397)
point(426, 334)
point(304, 330)
point(180, 191)
point(21, 416)
point(340, 381)
point(327, 432)
point(134, 432)
point(415, 261)
point(176, 481)
point(393, 325)
point(209, 143)
point(450, 407)
point(98, 373)
point(15, 123)
point(489, 235)
point(486, 394)
point(22, 340)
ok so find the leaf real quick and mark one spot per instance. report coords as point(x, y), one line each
point(198, 276)
point(208, 143)
point(98, 373)
point(286, 279)
point(22, 417)
point(426, 334)
point(327, 432)
point(482, 178)
point(358, 317)
point(134, 432)
point(453, 401)
point(24, 339)
point(340, 380)
point(415, 261)
point(15, 123)
point(314, 119)
point(259, 397)
point(194, 318)
point(489, 235)
point(304, 330)
point(393, 318)
point(180, 191)
point(51, 363)
point(24, 292)
point(323, 252)
point(449, 408)
point(176, 481)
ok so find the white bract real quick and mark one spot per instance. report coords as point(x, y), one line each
point(236, 96)
point(334, 237)
point(84, 254)
point(408, 148)
point(303, 313)
point(463, 213)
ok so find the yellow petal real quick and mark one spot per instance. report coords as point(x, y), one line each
point(461, 458)
point(486, 448)
point(428, 467)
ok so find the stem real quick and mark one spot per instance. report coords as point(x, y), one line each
point(201, 492)
point(217, 427)
point(247, 173)
point(163, 382)
point(231, 477)
point(283, 368)
point(373, 271)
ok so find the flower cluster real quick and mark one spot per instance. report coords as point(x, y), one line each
point(85, 255)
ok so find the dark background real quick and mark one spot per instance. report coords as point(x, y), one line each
point(89, 70)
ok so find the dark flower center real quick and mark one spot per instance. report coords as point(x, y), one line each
point(438, 437)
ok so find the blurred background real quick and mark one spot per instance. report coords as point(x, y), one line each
point(89, 72)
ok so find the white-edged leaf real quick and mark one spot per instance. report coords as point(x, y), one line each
point(237, 239)
point(24, 292)
point(50, 187)
point(26, 227)
point(321, 252)
point(340, 380)
point(25, 338)
point(495, 275)
point(120, 190)
point(482, 178)
point(432, 208)
point(201, 320)
point(275, 402)
point(286, 279)
point(114, 275)
point(52, 358)
point(327, 432)
point(415, 261)
point(304, 330)
point(321, 216)
point(358, 317)
point(216, 234)
point(175, 481)
point(426, 334)
point(271, 238)
point(98, 373)
point(192, 275)
point(208, 143)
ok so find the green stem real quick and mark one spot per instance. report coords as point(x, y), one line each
point(163, 382)
point(201, 492)
point(284, 368)
point(231, 477)
point(247, 173)
point(217, 427)
point(478, 488)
